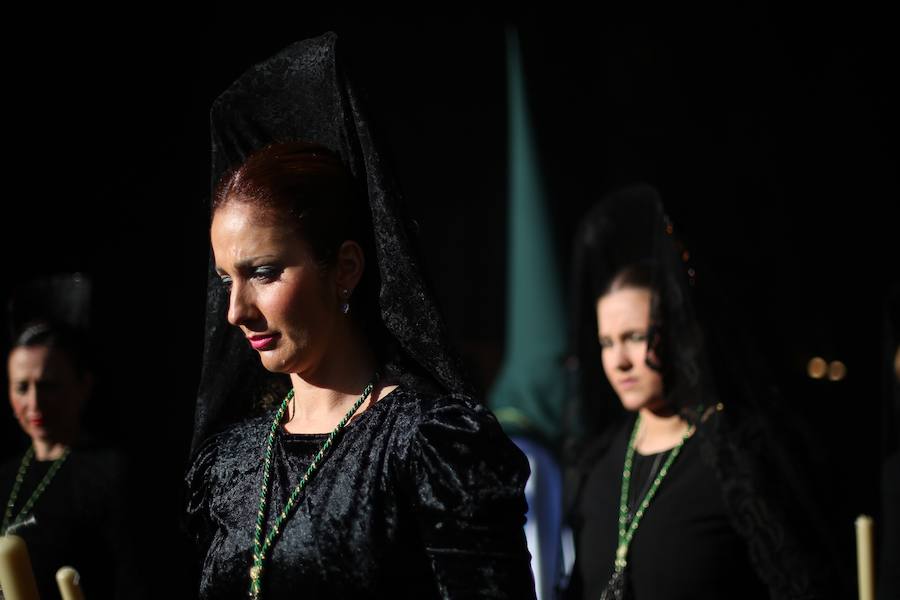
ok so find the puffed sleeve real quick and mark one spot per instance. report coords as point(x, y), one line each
point(199, 486)
point(466, 483)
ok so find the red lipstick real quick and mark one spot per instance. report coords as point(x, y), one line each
point(262, 342)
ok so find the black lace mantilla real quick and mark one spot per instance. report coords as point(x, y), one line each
point(304, 93)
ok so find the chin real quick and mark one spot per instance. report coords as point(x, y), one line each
point(632, 406)
point(277, 361)
point(652, 404)
point(633, 402)
point(274, 365)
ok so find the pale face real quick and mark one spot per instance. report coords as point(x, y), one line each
point(45, 391)
point(623, 318)
point(280, 299)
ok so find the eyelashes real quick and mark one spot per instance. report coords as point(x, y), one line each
point(22, 388)
point(225, 281)
point(263, 274)
point(634, 336)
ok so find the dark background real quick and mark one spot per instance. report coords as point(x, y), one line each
point(771, 133)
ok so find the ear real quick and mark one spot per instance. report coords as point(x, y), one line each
point(350, 264)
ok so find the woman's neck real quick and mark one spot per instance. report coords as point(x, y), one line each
point(659, 431)
point(47, 450)
point(323, 397)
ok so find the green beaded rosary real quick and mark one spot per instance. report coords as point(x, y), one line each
point(262, 545)
point(20, 477)
point(629, 524)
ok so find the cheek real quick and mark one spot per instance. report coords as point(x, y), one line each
point(638, 354)
point(18, 407)
point(286, 307)
point(301, 307)
point(607, 362)
point(280, 303)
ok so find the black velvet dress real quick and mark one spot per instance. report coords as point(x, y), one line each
point(685, 546)
point(80, 521)
point(421, 497)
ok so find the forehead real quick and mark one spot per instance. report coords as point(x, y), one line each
point(240, 230)
point(35, 362)
point(623, 309)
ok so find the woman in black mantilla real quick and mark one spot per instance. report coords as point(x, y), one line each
point(684, 489)
point(65, 494)
point(413, 490)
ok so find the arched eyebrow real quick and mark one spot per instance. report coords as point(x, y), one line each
point(630, 332)
point(624, 335)
point(633, 331)
point(247, 263)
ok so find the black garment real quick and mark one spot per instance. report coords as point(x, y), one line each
point(79, 521)
point(684, 547)
point(421, 497)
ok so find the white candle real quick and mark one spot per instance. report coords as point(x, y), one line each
point(68, 579)
point(16, 576)
point(864, 558)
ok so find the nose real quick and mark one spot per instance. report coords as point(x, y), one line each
point(241, 308)
point(31, 399)
point(621, 357)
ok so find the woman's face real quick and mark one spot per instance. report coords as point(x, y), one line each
point(623, 318)
point(283, 302)
point(46, 392)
